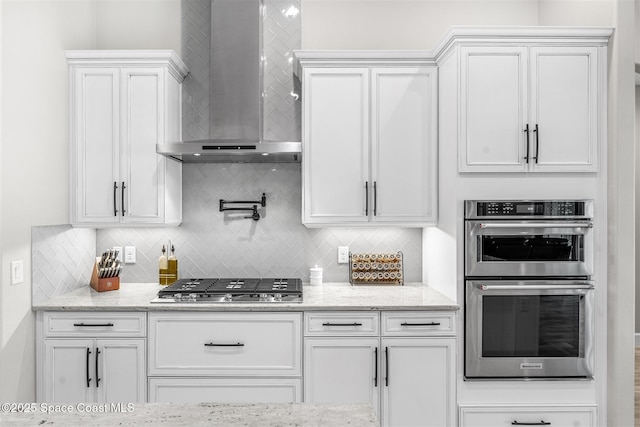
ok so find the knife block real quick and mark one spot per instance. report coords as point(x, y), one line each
point(104, 284)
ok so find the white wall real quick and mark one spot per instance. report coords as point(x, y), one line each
point(402, 24)
point(34, 162)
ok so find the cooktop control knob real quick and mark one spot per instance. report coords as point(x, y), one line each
point(228, 298)
point(277, 297)
point(264, 297)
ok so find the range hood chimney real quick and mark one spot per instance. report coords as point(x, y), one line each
point(238, 94)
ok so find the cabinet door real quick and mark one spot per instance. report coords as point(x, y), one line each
point(342, 370)
point(121, 372)
point(335, 156)
point(564, 108)
point(143, 112)
point(419, 382)
point(403, 135)
point(69, 374)
point(493, 109)
point(96, 146)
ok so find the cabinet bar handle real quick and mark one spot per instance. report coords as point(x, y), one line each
point(375, 198)
point(526, 131)
point(115, 206)
point(366, 198)
point(342, 324)
point(420, 324)
point(375, 358)
point(537, 132)
point(211, 344)
point(122, 198)
point(87, 365)
point(92, 325)
point(540, 423)
point(97, 376)
point(386, 366)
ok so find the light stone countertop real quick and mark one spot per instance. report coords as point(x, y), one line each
point(328, 296)
point(198, 414)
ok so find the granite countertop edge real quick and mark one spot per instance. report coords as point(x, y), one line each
point(136, 297)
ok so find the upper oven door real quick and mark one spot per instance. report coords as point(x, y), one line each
point(528, 248)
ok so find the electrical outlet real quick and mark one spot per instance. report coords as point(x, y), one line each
point(17, 272)
point(343, 254)
point(118, 249)
point(129, 254)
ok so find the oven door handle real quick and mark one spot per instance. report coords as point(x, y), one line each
point(586, 224)
point(577, 286)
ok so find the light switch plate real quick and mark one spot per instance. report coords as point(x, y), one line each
point(129, 254)
point(17, 272)
point(343, 254)
point(118, 249)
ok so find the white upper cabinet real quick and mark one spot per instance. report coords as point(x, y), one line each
point(122, 103)
point(369, 139)
point(336, 145)
point(531, 101)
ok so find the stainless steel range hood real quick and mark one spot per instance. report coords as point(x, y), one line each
point(232, 151)
point(239, 97)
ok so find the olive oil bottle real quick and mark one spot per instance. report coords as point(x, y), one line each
point(163, 268)
point(173, 266)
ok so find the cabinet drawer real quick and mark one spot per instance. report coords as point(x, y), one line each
point(554, 416)
point(94, 324)
point(341, 323)
point(225, 390)
point(225, 344)
point(423, 323)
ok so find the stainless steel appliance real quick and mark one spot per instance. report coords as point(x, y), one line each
point(529, 329)
point(529, 238)
point(528, 289)
point(250, 290)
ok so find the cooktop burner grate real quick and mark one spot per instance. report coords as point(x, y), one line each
point(233, 290)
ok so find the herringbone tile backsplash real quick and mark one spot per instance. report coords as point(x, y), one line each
point(210, 243)
point(62, 258)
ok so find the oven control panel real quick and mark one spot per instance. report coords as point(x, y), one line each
point(529, 208)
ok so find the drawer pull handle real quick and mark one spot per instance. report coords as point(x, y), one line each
point(420, 324)
point(211, 344)
point(540, 423)
point(93, 324)
point(342, 324)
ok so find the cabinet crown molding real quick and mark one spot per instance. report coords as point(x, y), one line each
point(361, 58)
point(456, 35)
point(130, 58)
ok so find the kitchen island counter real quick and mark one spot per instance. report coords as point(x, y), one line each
point(197, 414)
point(328, 296)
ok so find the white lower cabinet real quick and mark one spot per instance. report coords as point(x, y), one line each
point(225, 357)
point(549, 415)
point(344, 370)
point(418, 382)
point(409, 380)
point(83, 358)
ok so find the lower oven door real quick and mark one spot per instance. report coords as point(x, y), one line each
point(529, 329)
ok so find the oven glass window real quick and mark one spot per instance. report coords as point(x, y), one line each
point(531, 247)
point(532, 326)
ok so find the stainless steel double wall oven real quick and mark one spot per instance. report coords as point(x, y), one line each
point(529, 294)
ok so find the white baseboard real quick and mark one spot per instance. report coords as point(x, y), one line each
point(637, 339)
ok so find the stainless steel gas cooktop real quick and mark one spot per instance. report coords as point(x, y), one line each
point(232, 291)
